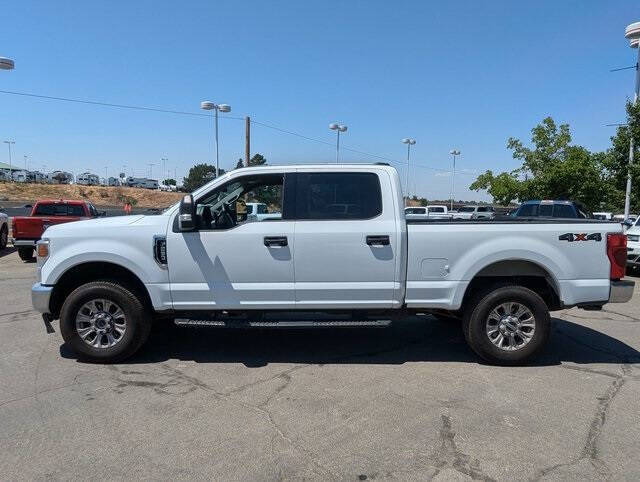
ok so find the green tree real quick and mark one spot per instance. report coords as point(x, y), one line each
point(257, 160)
point(551, 168)
point(199, 175)
point(169, 182)
point(239, 164)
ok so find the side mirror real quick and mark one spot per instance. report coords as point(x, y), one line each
point(628, 223)
point(187, 214)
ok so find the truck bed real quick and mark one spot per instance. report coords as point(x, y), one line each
point(444, 256)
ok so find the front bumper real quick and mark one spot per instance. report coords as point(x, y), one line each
point(24, 242)
point(621, 291)
point(40, 297)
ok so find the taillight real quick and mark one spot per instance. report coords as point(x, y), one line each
point(617, 253)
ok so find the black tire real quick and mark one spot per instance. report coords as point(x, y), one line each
point(138, 321)
point(25, 253)
point(475, 322)
point(4, 237)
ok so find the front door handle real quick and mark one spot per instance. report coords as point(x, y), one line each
point(378, 240)
point(280, 241)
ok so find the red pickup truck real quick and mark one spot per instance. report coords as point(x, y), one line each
point(27, 230)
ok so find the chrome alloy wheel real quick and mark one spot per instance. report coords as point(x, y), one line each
point(101, 323)
point(510, 326)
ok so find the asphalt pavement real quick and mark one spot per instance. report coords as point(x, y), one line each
point(409, 402)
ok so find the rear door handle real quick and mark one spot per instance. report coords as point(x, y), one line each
point(280, 241)
point(378, 240)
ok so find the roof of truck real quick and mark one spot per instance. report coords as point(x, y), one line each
point(61, 201)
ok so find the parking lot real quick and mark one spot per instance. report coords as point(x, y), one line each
point(410, 402)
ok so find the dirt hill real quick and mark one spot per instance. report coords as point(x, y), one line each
point(98, 195)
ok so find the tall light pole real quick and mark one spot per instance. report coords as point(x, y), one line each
point(338, 128)
point(6, 64)
point(207, 105)
point(25, 162)
point(150, 164)
point(454, 153)
point(409, 142)
point(164, 169)
point(8, 143)
point(632, 32)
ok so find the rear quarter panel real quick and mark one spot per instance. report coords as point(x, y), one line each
point(444, 258)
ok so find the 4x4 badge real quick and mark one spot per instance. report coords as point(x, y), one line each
point(580, 237)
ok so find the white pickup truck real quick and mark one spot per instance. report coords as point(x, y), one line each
point(108, 279)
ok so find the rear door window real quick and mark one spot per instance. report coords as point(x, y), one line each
point(545, 210)
point(563, 211)
point(75, 210)
point(528, 210)
point(337, 196)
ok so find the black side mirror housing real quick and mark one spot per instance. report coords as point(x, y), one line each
point(187, 214)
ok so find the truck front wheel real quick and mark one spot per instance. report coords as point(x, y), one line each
point(507, 325)
point(25, 253)
point(104, 322)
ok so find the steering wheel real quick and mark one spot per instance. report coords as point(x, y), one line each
point(224, 217)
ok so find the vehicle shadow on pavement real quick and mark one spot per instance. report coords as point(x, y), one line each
point(422, 339)
point(8, 251)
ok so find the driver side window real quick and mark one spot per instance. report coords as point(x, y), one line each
point(246, 199)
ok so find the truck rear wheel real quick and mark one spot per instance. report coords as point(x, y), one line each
point(104, 322)
point(507, 325)
point(25, 253)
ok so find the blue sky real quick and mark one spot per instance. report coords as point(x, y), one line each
point(463, 74)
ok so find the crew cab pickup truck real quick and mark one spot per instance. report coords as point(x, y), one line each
point(107, 280)
point(27, 230)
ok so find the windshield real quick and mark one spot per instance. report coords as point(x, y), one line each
point(466, 209)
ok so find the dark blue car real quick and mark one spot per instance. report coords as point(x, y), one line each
point(552, 209)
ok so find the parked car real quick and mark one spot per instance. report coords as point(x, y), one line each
point(552, 209)
point(4, 230)
point(106, 280)
point(260, 212)
point(427, 212)
point(27, 230)
point(605, 216)
point(474, 212)
point(633, 245)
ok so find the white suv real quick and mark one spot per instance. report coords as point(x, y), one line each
point(475, 212)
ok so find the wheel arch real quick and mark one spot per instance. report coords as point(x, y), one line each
point(82, 273)
point(522, 272)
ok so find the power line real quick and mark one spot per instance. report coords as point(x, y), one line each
point(107, 104)
point(253, 121)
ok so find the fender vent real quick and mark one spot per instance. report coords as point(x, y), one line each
point(160, 250)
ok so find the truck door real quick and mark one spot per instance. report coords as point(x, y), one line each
point(233, 261)
point(346, 243)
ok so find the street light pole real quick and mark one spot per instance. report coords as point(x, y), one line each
point(409, 142)
point(454, 153)
point(164, 169)
point(338, 128)
point(207, 105)
point(8, 143)
point(632, 32)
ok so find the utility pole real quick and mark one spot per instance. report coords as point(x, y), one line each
point(454, 153)
point(247, 140)
point(164, 169)
point(10, 166)
point(25, 163)
point(151, 164)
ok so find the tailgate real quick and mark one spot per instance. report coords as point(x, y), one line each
point(27, 227)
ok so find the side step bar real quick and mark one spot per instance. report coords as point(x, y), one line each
point(281, 324)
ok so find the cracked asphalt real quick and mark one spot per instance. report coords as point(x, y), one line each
point(410, 402)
